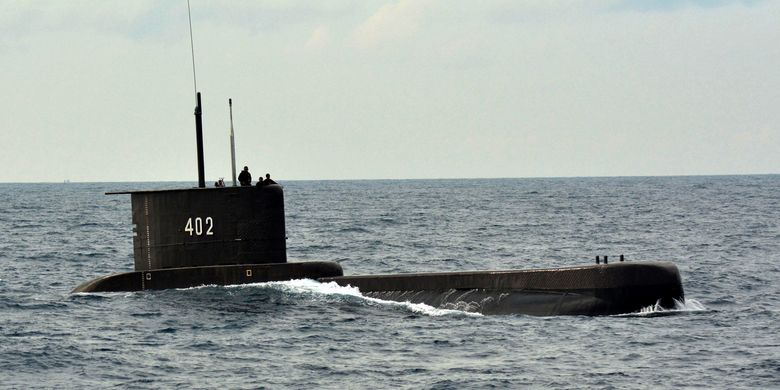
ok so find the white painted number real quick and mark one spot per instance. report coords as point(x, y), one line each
point(197, 227)
point(210, 224)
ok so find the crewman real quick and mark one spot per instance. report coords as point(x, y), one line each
point(268, 180)
point(245, 177)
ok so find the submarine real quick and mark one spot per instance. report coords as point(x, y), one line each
point(236, 235)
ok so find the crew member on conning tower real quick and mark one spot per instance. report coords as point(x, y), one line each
point(245, 177)
point(268, 180)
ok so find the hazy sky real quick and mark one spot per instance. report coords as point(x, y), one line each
point(357, 89)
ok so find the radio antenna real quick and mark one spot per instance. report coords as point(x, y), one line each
point(232, 143)
point(198, 111)
point(192, 48)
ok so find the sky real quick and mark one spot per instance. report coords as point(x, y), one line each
point(362, 89)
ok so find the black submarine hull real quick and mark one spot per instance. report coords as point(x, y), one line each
point(617, 288)
point(223, 275)
point(590, 290)
point(226, 236)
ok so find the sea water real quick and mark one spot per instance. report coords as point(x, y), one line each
point(723, 232)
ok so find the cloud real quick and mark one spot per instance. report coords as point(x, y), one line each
point(137, 20)
point(506, 11)
point(674, 5)
point(392, 23)
point(319, 39)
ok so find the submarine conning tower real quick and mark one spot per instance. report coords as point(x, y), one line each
point(208, 236)
point(197, 227)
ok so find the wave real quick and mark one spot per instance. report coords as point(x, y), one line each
point(353, 229)
point(656, 310)
point(304, 288)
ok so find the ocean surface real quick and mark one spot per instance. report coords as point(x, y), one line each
point(723, 232)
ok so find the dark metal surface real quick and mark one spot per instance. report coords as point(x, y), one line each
point(590, 290)
point(199, 139)
point(204, 227)
point(213, 275)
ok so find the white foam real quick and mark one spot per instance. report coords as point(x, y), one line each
point(684, 306)
point(309, 286)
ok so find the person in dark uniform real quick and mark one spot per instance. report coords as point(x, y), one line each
point(268, 180)
point(245, 177)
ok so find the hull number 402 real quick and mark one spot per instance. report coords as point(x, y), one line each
point(195, 226)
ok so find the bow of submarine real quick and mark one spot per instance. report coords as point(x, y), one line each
point(616, 288)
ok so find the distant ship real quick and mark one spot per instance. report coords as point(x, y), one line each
point(236, 235)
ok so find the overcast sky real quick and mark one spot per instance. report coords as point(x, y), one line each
point(357, 89)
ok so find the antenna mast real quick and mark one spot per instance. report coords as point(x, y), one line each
point(192, 48)
point(232, 143)
point(198, 111)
